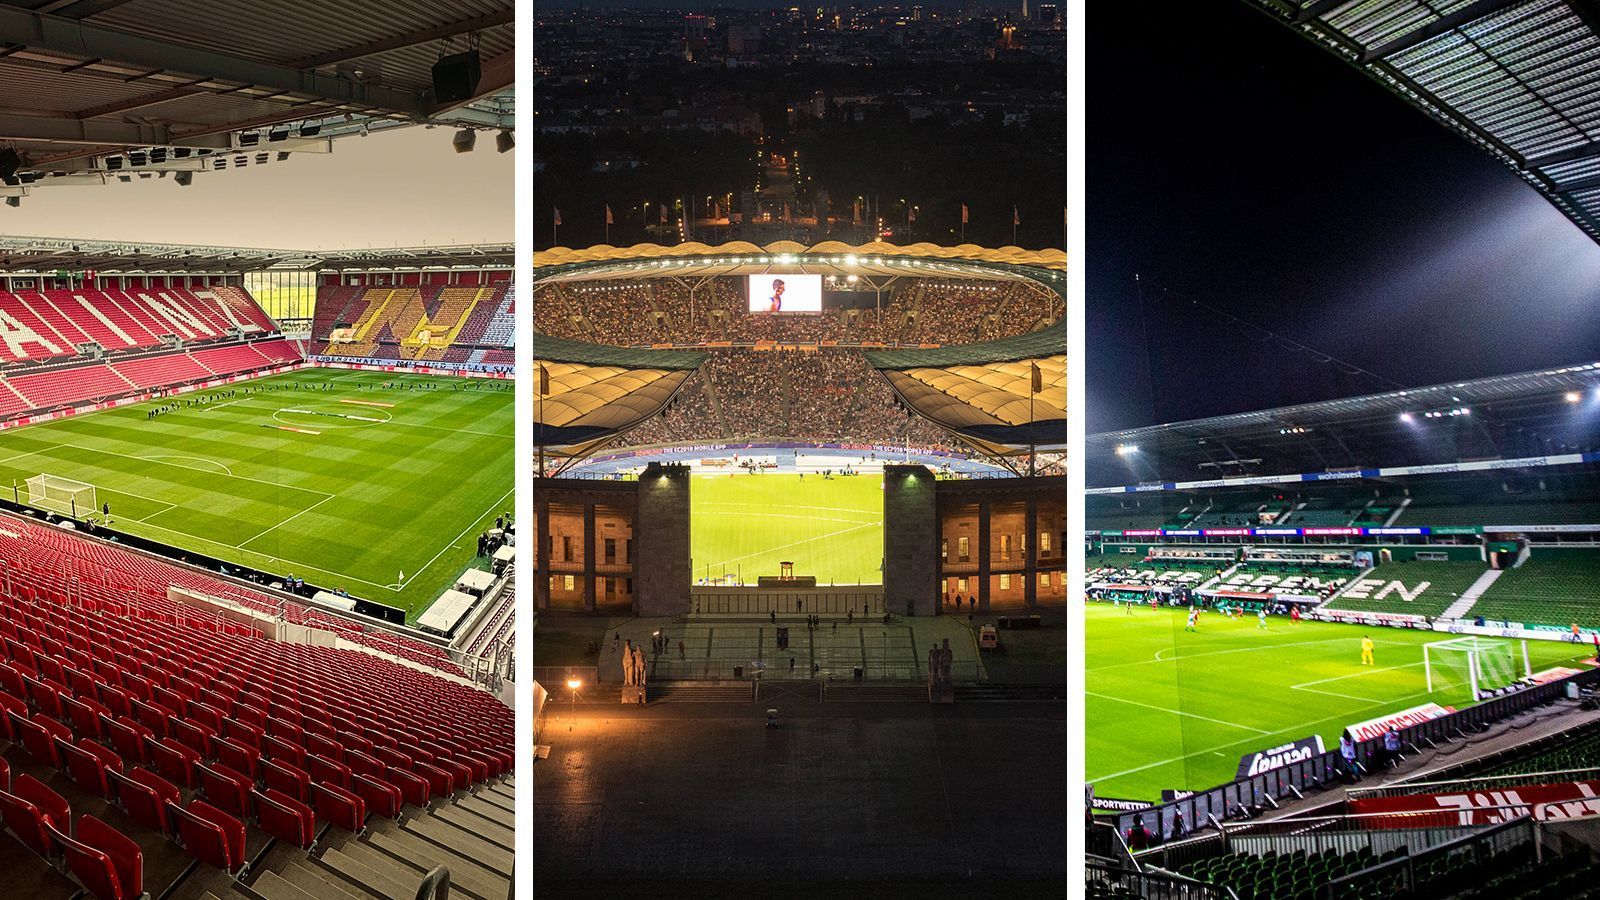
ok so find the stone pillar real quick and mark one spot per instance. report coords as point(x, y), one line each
point(588, 556)
point(1030, 537)
point(910, 541)
point(662, 576)
point(983, 556)
point(541, 571)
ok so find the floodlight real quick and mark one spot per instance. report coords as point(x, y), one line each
point(465, 140)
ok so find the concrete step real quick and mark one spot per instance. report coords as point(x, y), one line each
point(383, 880)
point(1015, 692)
point(465, 874)
point(494, 812)
point(738, 692)
point(463, 844)
point(273, 886)
point(306, 874)
point(851, 692)
point(478, 825)
point(402, 871)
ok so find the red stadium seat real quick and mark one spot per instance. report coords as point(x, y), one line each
point(239, 757)
point(382, 798)
point(413, 787)
point(339, 807)
point(226, 789)
point(325, 771)
point(128, 738)
point(211, 835)
point(36, 739)
point(85, 768)
point(28, 808)
point(195, 737)
point(173, 760)
point(108, 863)
point(286, 818)
point(146, 797)
point(287, 779)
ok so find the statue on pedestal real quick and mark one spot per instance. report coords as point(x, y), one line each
point(941, 689)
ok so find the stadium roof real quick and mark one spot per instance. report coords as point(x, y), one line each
point(1532, 414)
point(586, 395)
point(984, 392)
point(1519, 78)
point(98, 88)
point(31, 255)
point(730, 258)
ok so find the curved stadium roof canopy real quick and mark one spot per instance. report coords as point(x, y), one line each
point(982, 393)
point(1519, 78)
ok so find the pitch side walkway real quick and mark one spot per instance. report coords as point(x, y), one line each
point(714, 645)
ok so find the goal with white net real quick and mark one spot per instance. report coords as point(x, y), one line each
point(62, 495)
point(1480, 665)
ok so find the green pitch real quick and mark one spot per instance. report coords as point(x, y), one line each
point(1173, 709)
point(747, 524)
point(375, 483)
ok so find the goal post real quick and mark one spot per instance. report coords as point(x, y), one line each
point(62, 495)
point(1479, 664)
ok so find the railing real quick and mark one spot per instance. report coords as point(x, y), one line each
point(1154, 886)
point(435, 885)
point(1415, 870)
point(1485, 783)
point(1240, 799)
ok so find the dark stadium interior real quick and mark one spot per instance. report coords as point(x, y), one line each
point(1344, 415)
point(801, 485)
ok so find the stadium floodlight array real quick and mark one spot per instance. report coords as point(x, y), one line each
point(1483, 664)
point(62, 495)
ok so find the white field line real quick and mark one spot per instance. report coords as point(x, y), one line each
point(473, 524)
point(221, 405)
point(280, 524)
point(1179, 712)
point(819, 537)
point(1158, 658)
point(1285, 730)
point(158, 462)
point(204, 459)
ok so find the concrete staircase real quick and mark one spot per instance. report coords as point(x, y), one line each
point(471, 835)
point(1463, 605)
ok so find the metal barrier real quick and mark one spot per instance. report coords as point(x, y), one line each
point(1415, 870)
point(1485, 783)
point(1153, 885)
point(1240, 799)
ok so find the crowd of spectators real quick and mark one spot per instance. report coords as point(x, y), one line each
point(662, 310)
point(826, 395)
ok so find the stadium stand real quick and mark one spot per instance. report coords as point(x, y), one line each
point(461, 324)
point(659, 311)
point(66, 348)
point(1409, 587)
point(81, 565)
point(54, 324)
point(1554, 586)
point(172, 735)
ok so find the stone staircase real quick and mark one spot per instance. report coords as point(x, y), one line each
point(1463, 605)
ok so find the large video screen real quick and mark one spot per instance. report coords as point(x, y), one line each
point(785, 293)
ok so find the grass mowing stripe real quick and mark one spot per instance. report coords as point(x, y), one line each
point(351, 507)
point(1165, 704)
point(748, 524)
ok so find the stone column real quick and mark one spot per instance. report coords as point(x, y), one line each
point(910, 541)
point(588, 555)
point(983, 555)
point(541, 571)
point(1030, 537)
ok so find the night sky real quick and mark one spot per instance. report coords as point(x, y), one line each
point(1233, 163)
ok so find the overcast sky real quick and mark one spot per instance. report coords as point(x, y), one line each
point(404, 187)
